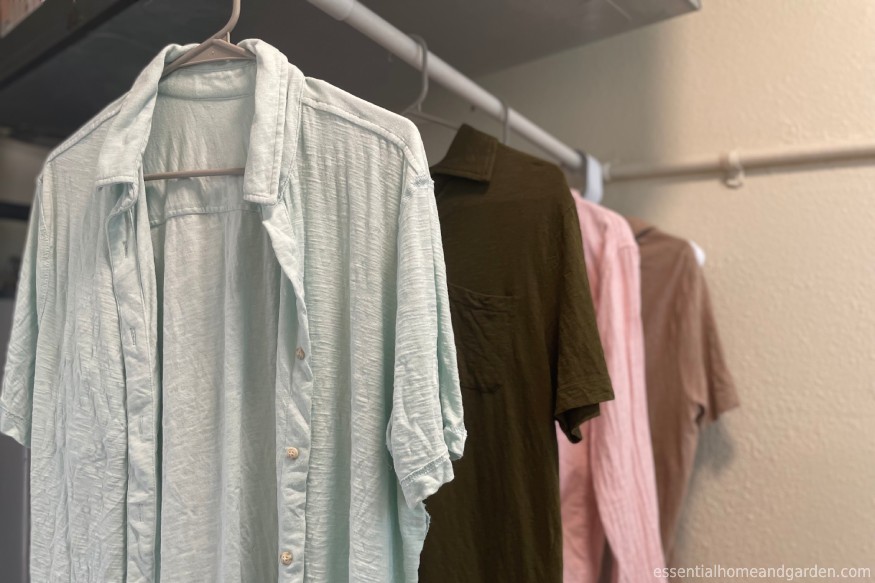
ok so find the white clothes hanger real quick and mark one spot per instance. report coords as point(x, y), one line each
point(594, 175)
point(215, 48)
point(594, 190)
point(699, 252)
point(414, 110)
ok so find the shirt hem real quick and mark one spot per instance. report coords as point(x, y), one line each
point(587, 391)
point(579, 401)
point(425, 481)
point(455, 438)
point(14, 425)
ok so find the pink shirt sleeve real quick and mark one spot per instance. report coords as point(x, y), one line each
point(608, 482)
point(621, 453)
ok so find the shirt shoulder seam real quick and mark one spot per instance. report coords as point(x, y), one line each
point(87, 129)
point(385, 133)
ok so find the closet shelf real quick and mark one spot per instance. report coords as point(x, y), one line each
point(70, 58)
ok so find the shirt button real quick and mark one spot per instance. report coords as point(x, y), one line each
point(300, 353)
point(292, 453)
point(286, 558)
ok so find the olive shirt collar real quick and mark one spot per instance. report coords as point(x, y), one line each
point(471, 155)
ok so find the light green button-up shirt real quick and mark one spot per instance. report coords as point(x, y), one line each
point(236, 379)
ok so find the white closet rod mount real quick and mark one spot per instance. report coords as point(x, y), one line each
point(733, 164)
point(401, 45)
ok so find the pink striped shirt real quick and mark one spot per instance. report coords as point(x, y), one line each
point(607, 482)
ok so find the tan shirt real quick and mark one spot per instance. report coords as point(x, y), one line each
point(688, 382)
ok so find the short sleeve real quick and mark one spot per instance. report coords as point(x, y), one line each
point(581, 375)
point(452, 414)
point(16, 394)
point(718, 394)
point(426, 428)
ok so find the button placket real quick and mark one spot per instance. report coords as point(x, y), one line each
point(124, 265)
point(294, 426)
point(296, 456)
point(294, 394)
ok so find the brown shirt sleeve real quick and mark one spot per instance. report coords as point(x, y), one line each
point(720, 395)
point(580, 376)
point(707, 380)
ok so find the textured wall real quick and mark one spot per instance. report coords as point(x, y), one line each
point(790, 477)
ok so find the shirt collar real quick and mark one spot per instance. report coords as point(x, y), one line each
point(278, 85)
point(639, 226)
point(471, 155)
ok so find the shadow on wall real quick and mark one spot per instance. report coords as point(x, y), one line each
point(715, 454)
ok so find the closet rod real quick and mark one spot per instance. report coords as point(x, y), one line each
point(734, 163)
point(401, 45)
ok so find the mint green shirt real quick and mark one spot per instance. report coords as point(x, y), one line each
point(236, 379)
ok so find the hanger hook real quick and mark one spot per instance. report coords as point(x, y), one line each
point(505, 121)
point(423, 91)
point(232, 22)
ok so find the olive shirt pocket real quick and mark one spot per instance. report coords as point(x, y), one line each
point(482, 326)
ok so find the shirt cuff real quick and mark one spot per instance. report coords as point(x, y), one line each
point(425, 481)
point(455, 438)
point(578, 402)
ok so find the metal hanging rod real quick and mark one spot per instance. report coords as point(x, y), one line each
point(407, 49)
point(733, 165)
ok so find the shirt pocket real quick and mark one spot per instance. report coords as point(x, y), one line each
point(482, 326)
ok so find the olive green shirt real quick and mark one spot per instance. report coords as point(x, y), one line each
point(529, 354)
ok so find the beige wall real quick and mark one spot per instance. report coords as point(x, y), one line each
point(789, 478)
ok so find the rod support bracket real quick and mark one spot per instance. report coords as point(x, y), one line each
point(733, 171)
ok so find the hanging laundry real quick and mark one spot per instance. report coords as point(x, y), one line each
point(688, 382)
point(237, 379)
point(607, 482)
point(529, 355)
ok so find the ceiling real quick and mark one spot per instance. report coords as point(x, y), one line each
point(57, 96)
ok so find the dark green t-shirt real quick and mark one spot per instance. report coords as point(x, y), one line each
point(529, 354)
